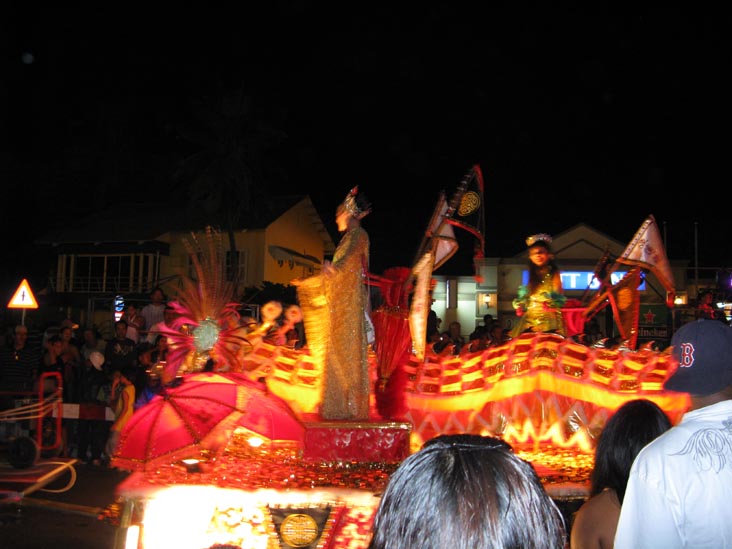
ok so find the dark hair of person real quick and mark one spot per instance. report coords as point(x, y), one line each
point(631, 427)
point(130, 373)
point(535, 276)
point(466, 492)
point(158, 289)
point(93, 330)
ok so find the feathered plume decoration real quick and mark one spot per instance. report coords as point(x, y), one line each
point(206, 332)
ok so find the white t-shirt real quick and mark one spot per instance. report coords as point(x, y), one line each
point(679, 490)
point(155, 331)
point(153, 313)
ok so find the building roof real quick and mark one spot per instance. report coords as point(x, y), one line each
point(126, 222)
point(580, 242)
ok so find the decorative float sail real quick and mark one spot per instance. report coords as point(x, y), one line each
point(644, 253)
point(465, 210)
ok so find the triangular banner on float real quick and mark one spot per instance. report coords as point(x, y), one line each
point(421, 304)
point(469, 213)
point(444, 243)
point(646, 250)
point(625, 301)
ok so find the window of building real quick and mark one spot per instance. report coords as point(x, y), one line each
point(92, 273)
point(237, 259)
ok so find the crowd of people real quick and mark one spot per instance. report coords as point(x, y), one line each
point(488, 334)
point(116, 372)
point(94, 372)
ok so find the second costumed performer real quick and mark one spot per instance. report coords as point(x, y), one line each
point(539, 303)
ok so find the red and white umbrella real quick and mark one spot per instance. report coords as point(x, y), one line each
point(196, 417)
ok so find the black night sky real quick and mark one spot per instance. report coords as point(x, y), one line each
point(573, 117)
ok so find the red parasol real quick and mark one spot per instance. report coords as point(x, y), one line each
point(197, 417)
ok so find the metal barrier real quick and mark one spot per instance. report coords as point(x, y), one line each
point(46, 404)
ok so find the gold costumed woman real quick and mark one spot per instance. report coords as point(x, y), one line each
point(335, 307)
point(539, 304)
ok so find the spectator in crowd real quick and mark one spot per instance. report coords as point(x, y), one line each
point(143, 364)
point(592, 333)
point(154, 312)
point(450, 340)
point(120, 350)
point(53, 329)
point(482, 328)
point(55, 360)
point(19, 365)
point(135, 323)
point(707, 308)
point(169, 315)
point(480, 344)
point(678, 489)
point(72, 359)
point(433, 327)
point(93, 428)
point(631, 427)
point(498, 336)
point(160, 352)
point(466, 492)
point(67, 331)
point(92, 341)
point(147, 383)
point(123, 404)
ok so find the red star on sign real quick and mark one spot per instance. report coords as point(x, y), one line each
point(650, 316)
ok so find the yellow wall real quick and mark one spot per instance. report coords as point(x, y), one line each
point(296, 229)
point(293, 230)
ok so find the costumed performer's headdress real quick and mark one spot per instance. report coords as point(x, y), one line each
point(352, 207)
point(541, 237)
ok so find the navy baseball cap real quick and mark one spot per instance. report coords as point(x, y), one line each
point(703, 349)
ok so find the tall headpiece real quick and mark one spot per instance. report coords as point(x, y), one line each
point(541, 237)
point(351, 206)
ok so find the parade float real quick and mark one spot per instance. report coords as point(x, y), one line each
point(232, 452)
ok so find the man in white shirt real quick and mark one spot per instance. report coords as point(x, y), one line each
point(154, 312)
point(680, 484)
point(169, 315)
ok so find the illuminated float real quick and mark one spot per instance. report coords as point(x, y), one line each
point(251, 465)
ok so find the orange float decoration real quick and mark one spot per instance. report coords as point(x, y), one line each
point(547, 395)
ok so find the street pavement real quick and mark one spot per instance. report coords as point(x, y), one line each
point(54, 517)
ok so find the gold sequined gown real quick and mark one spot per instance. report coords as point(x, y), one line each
point(539, 315)
point(334, 308)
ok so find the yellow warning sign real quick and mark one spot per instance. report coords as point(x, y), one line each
point(23, 298)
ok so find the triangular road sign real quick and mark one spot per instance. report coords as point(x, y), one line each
point(23, 298)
